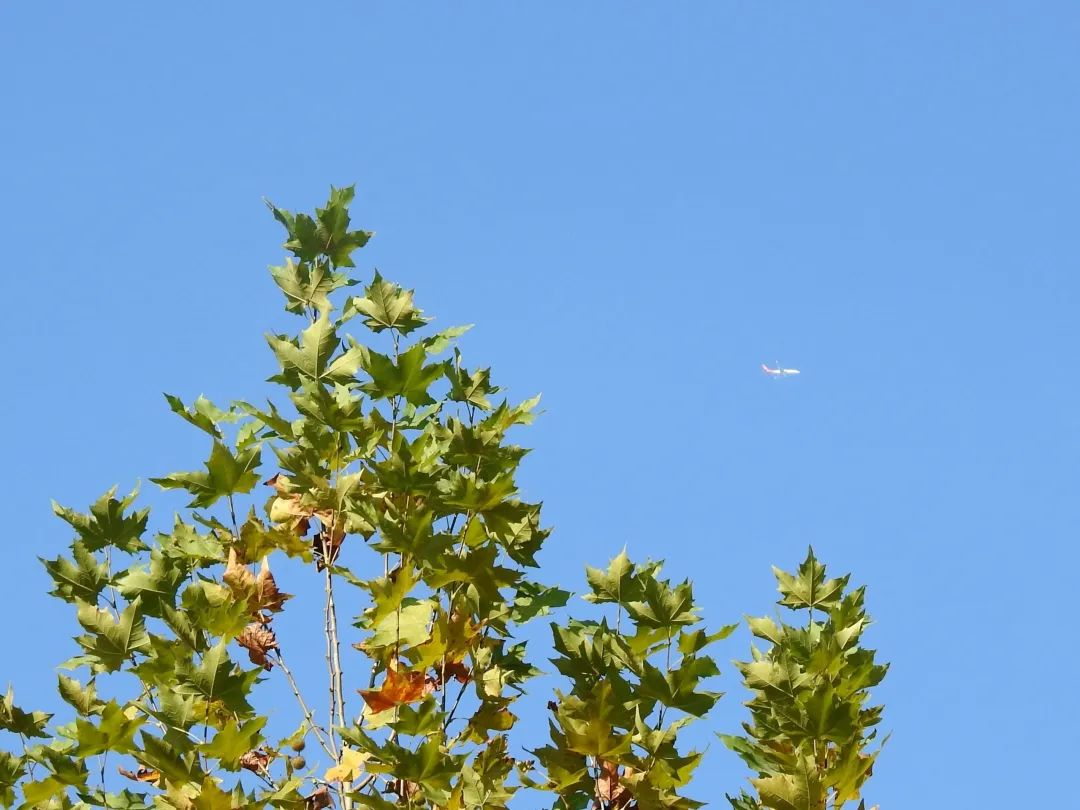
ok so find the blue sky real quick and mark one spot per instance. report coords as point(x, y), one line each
point(637, 204)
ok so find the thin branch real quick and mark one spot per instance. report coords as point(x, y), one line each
point(303, 705)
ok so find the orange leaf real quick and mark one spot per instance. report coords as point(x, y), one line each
point(399, 687)
point(142, 775)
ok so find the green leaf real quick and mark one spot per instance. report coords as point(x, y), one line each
point(84, 579)
point(809, 589)
point(106, 524)
point(84, 699)
point(15, 720)
point(801, 790)
point(533, 599)
point(226, 474)
point(12, 769)
point(112, 640)
point(308, 284)
point(327, 234)
point(312, 357)
point(387, 306)
point(617, 584)
point(204, 414)
point(156, 585)
point(408, 377)
point(217, 678)
point(233, 741)
point(115, 731)
point(662, 606)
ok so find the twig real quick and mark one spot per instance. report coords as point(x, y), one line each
point(303, 705)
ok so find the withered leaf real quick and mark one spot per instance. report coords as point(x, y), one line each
point(403, 788)
point(451, 669)
point(238, 576)
point(609, 791)
point(255, 761)
point(266, 590)
point(318, 800)
point(258, 640)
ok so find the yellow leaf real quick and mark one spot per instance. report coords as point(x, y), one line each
point(349, 767)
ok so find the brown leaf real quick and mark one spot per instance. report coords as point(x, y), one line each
point(142, 775)
point(238, 576)
point(318, 800)
point(323, 547)
point(255, 761)
point(451, 669)
point(608, 790)
point(258, 641)
point(403, 788)
point(399, 687)
point(266, 590)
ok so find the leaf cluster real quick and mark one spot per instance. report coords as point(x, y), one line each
point(811, 737)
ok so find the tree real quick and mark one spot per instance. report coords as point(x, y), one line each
point(391, 473)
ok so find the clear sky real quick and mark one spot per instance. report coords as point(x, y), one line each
point(637, 204)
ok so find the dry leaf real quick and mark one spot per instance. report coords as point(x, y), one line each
point(322, 546)
point(258, 641)
point(255, 761)
point(266, 590)
point(142, 775)
point(608, 790)
point(403, 788)
point(451, 669)
point(399, 687)
point(238, 576)
point(318, 800)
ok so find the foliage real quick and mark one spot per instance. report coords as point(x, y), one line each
point(811, 731)
point(613, 735)
point(387, 475)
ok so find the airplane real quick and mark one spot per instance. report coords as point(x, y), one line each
point(779, 372)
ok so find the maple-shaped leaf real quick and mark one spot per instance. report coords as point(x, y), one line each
point(408, 376)
point(801, 790)
point(115, 731)
point(387, 306)
point(83, 579)
point(155, 585)
point(226, 474)
point(212, 797)
point(308, 284)
point(617, 584)
point(216, 679)
point(14, 719)
point(399, 686)
point(809, 589)
point(327, 234)
point(349, 766)
point(203, 414)
point(664, 607)
point(258, 640)
point(83, 698)
point(106, 524)
point(234, 741)
point(112, 640)
point(267, 595)
point(313, 358)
